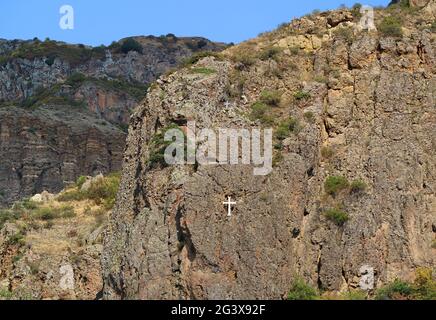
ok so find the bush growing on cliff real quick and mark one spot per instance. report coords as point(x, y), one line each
point(262, 112)
point(131, 44)
point(391, 27)
point(395, 290)
point(270, 53)
point(102, 191)
point(80, 181)
point(200, 55)
point(335, 184)
point(301, 95)
point(159, 145)
point(271, 97)
point(423, 288)
point(357, 186)
point(344, 33)
point(286, 127)
point(205, 71)
point(300, 290)
point(337, 216)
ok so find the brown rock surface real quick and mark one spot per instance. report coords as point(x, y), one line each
point(366, 110)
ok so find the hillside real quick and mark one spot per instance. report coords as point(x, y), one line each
point(350, 204)
point(50, 245)
point(65, 108)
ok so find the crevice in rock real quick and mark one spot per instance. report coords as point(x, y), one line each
point(318, 269)
point(184, 236)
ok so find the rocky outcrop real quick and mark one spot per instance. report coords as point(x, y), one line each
point(362, 106)
point(62, 106)
point(48, 148)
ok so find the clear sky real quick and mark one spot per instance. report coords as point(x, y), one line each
point(102, 21)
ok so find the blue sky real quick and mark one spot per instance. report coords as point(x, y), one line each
point(100, 22)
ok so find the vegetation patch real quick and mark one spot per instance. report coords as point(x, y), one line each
point(206, 71)
point(300, 290)
point(74, 55)
point(335, 184)
point(158, 146)
point(200, 55)
point(337, 216)
point(301, 95)
point(271, 97)
point(391, 27)
point(130, 44)
point(286, 128)
point(344, 33)
point(102, 192)
point(270, 53)
point(358, 186)
point(261, 112)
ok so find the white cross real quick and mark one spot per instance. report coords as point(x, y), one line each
point(229, 203)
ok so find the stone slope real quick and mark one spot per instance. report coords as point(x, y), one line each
point(50, 245)
point(353, 106)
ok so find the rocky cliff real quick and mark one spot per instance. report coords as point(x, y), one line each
point(64, 108)
point(353, 187)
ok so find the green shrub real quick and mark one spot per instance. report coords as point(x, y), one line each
point(76, 79)
point(337, 216)
point(391, 27)
point(72, 195)
point(205, 71)
point(158, 146)
point(246, 58)
point(80, 181)
point(46, 214)
point(301, 95)
point(395, 290)
point(104, 190)
point(433, 26)
point(355, 295)
point(425, 284)
point(335, 184)
point(357, 186)
point(286, 127)
point(261, 112)
point(355, 10)
point(271, 97)
point(6, 295)
point(131, 44)
point(270, 53)
point(200, 55)
point(17, 239)
point(344, 33)
point(300, 290)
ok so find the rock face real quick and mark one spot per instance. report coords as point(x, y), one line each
point(50, 147)
point(365, 110)
point(62, 106)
